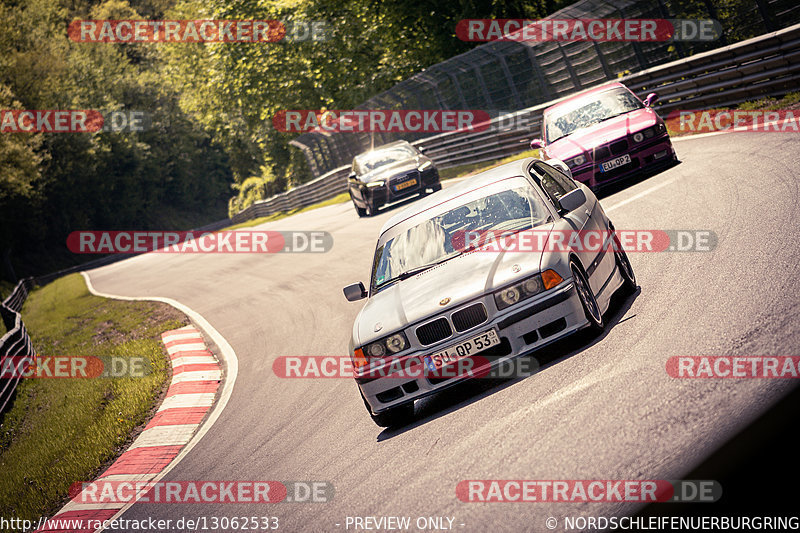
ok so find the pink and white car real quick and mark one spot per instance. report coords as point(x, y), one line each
point(605, 134)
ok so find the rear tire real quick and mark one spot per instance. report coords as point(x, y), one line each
point(396, 416)
point(589, 303)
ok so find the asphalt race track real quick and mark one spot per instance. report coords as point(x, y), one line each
point(602, 410)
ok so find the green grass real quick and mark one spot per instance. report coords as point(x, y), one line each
point(60, 431)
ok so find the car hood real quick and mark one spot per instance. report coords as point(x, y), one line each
point(462, 279)
point(585, 139)
point(387, 171)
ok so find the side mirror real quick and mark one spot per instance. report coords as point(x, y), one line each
point(536, 144)
point(572, 200)
point(355, 292)
point(651, 99)
point(351, 176)
point(420, 149)
point(560, 165)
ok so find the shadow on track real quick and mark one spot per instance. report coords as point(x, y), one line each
point(473, 390)
point(616, 186)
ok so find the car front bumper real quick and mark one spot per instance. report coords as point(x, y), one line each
point(388, 193)
point(522, 329)
point(652, 154)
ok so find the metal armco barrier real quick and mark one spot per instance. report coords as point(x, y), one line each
point(16, 342)
point(764, 66)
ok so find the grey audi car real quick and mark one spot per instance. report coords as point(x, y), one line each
point(436, 300)
point(389, 174)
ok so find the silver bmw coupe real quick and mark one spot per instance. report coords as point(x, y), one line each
point(456, 290)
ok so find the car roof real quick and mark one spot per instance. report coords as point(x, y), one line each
point(588, 92)
point(487, 177)
point(387, 145)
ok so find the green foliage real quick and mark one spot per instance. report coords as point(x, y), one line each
point(63, 182)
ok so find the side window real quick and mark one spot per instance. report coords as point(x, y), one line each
point(555, 183)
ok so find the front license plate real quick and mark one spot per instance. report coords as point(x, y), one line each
point(451, 354)
point(614, 163)
point(405, 184)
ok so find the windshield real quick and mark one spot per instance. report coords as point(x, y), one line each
point(585, 113)
point(441, 238)
point(372, 160)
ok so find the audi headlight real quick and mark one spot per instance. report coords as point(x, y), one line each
point(638, 137)
point(378, 183)
point(575, 161)
point(393, 344)
point(425, 165)
point(519, 291)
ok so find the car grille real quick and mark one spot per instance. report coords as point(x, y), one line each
point(469, 317)
point(434, 331)
point(615, 148)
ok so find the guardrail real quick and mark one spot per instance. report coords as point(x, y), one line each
point(15, 345)
point(764, 66)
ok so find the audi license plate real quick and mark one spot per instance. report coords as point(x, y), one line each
point(614, 163)
point(406, 184)
point(450, 355)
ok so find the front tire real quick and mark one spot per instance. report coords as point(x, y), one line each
point(589, 303)
point(625, 268)
point(361, 212)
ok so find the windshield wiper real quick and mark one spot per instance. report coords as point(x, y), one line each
point(413, 272)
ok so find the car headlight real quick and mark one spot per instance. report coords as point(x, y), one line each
point(378, 183)
point(638, 137)
point(393, 344)
point(652, 131)
point(526, 288)
point(519, 291)
point(575, 161)
point(425, 165)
